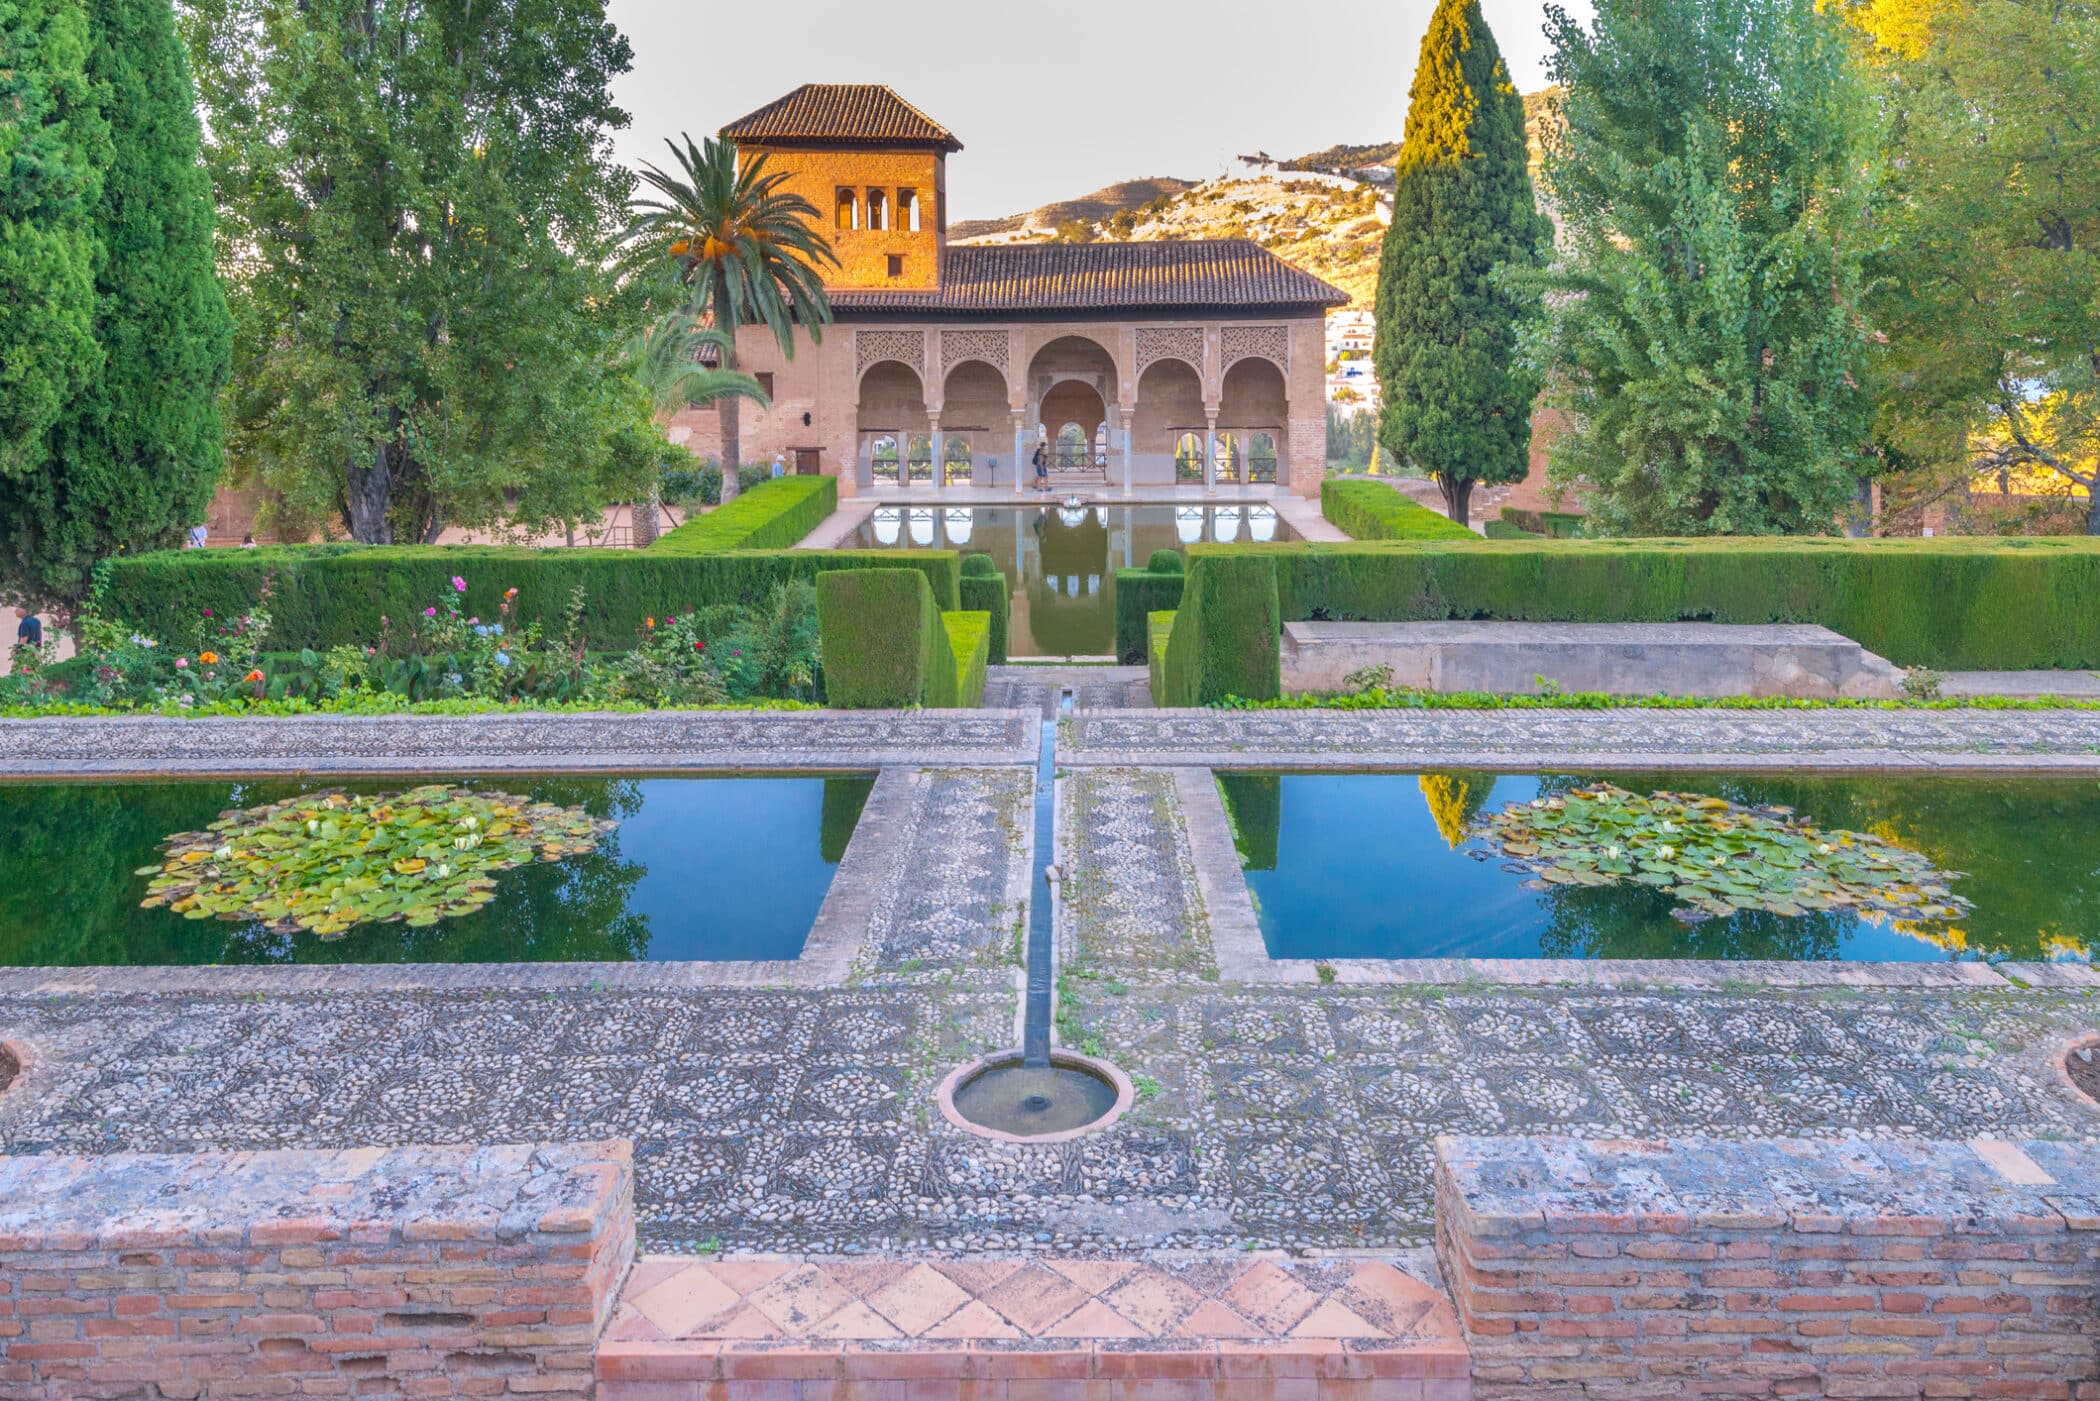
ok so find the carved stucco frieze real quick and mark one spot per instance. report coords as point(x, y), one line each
point(1155, 343)
point(1272, 343)
point(958, 346)
point(870, 347)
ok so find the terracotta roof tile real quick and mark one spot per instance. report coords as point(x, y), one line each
point(855, 112)
point(1231, 272)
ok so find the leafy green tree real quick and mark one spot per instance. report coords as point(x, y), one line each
point(1713, 171)
point(1992, 293)
point(134, 453)
point(669, 363)
point(53, 146)
point(1457, 404)
point(745, 252)
point(419, 208)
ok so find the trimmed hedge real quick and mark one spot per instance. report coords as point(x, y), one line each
point(1165, 562)
point(1955, 604)
point(1561, 525)
point(1158, 629)
point(888, 646)
point(1226, 631)
point(969, 638)
point(773, 515)
point(988, 594)
point(1506, 529)
point(1139, 594)
point(324, 595)
point(1373, 511)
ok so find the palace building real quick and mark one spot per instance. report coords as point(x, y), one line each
point(1140, 365)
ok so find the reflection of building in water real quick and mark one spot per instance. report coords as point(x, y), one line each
point(1131, 363)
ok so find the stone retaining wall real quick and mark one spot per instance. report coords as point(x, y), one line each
point(1773, 1267)
point(471, 1271)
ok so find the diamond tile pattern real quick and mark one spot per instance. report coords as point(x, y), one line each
point(739, 1301)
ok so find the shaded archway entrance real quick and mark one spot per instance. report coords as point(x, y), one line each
point(1071, 382)
point(1253, 414)
point(892, 425)
point(1075, 417)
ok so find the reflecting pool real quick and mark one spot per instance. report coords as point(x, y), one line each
point(693, 869)
point(1395, 866)
point(1060, 563)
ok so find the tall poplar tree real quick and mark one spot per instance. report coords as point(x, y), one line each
point(1714, 174)
point(418, 204)
point(1457, 405)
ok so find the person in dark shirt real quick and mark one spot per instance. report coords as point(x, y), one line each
point(1042, 468)
point(30, 631)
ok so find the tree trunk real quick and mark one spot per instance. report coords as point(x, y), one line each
point(732, 438)
point(645, 522)
point(366, 497)
point(2092, 512)
point(1458, 498)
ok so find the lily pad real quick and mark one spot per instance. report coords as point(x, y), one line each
point(1716, 857)
point(325, 862)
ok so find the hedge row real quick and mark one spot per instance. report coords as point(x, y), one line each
point(1159, 628)
point(1561, 525)
point(1374, 511)
point(1954, 604)
point(323, 595)
point(774, 515)
point(1506, 529)
point(1139, 594)
point(985, 590)
point(888, 645)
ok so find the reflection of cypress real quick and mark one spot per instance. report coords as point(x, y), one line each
point(1455, 799)
point(843, 800)
point(1254, 806)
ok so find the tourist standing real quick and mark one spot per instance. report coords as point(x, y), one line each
point(1042, 468)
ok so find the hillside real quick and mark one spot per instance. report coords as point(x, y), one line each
point(1330, 232)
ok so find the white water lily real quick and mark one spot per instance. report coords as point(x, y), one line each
point(1667, 852)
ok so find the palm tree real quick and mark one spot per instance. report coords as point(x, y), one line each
point(669, 361)
point(745, 251)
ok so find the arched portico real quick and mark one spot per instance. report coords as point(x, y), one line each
point(893, 429)
point(1071, 383)
point(1252, 422)
point(973, 422)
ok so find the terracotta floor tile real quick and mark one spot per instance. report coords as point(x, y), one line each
point(750, 1276)
point(742, 1322)
point(972, 1320)
point(1032, 1298)
point(1211, 1319)
point(631, 1325)
point(800, 1299)
point(861, 1278)
point(680, 1302)
point(1094, 1319)
point(1096, 1277)
point(855, 1322)
point(653, 1270)
point(1270, 1298)
point(980, 1277)
point(918, 1299)
point(1390, 1298)
point(1335, 1319)
point(1152, 1299)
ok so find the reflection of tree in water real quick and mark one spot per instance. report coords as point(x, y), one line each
point(1455, 798)
point(68, 895)
point(1633, 921)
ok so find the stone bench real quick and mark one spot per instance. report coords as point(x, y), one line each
point(1623, 659)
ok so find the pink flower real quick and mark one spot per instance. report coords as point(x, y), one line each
point(471, 622)
point(207, 612)
point(459, 585)
point(181, 662)
point(430, 612)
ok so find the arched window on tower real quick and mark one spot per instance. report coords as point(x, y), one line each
point(848, 210)
point(908, 210)
point(878, 210)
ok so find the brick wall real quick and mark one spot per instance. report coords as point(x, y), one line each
point(395, 1272)
point(1773, 1267)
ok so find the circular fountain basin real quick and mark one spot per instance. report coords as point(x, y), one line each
point(999, 1097)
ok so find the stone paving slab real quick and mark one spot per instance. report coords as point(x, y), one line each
point(2080, 685)
point(1562, 739)
point(521, 742)
point(1039, 687)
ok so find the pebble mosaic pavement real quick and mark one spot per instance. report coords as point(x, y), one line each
point(803, 1120)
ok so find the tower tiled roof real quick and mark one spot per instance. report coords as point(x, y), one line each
point(852, 112)
point(1222, 272)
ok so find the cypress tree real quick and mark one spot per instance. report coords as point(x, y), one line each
point(53, 144)
point(1457, 406)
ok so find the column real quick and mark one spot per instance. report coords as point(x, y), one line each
point(1210, 451)
point(1020, 465)
point(1125, 420)
point(940, 462)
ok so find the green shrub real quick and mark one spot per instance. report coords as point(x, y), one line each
point(1952, 604)
point(884, 646)
point(968, 640)
point(977, 564)
point(1226, 631)
point(1158, 628)
point(1165, 562)
point(328, 595)
point(1373, 511)
point(986, 592)
point(1508, 530)
point(1139, 594)
point(774, 515)
point(1561, 525)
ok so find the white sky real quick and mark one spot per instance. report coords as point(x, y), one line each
point(1054, 100)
